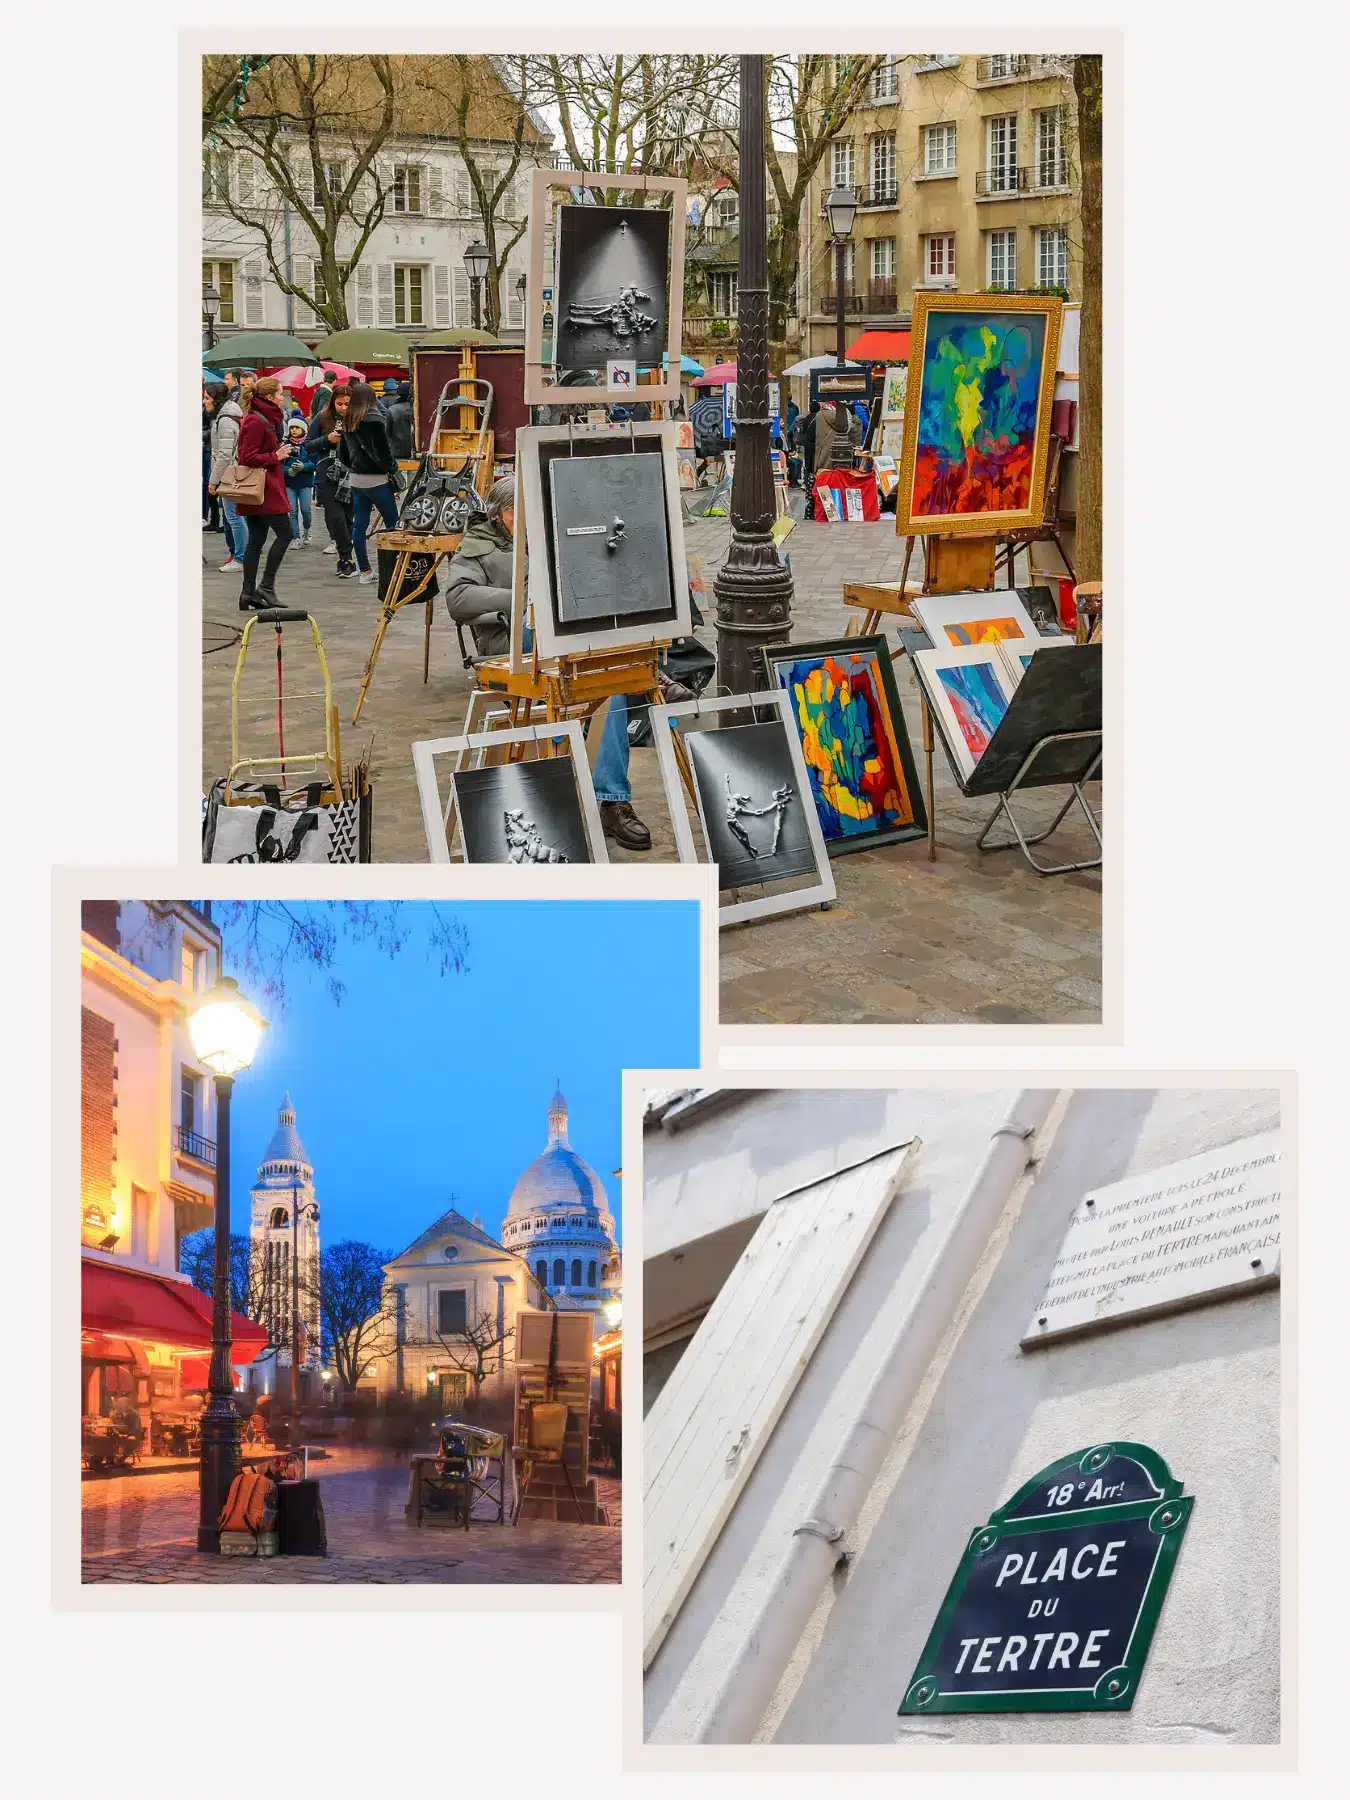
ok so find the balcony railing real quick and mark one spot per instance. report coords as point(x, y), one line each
point(936, 60)
point(881, 294)
point(192, 1143)
point(1003, 180)
point(1001, 68)
point(853, 303)
point(880, 193)
point(1050, 175)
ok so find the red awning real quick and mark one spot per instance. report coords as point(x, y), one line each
point(125, 1303)
point(880, 346)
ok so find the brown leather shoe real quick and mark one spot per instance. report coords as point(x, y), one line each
point(622, 824)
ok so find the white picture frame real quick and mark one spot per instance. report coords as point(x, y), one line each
point(1012, 651)
point(540, 387)
point(779, 702)
point(532, 598)
point(943, 616)
point(930, 667)
point(440, 820)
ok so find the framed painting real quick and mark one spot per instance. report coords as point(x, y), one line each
point(893, 394)
point(1016, 655)
point(968, 691)
point(604, 533)
point(752, 798)
point(981, 618)
point(498, 809)
point(977, 427)
point(853, 737)
point(615, 292)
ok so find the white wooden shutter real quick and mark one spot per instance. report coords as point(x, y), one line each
point(440, 289)
point(246, 184)
point(435, 186)
point(464, 195)
point(463, 303)
point(255, 307)
point(365, 294)
point(385, 289)
point(708, 1425)
point(302, 274)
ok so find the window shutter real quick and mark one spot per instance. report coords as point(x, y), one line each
point(302, 273)
point(255, 310)
point(463, 304)
point(719, 1408)
point(365, 295)
point(434, 178)
point(245, 179)
point(464, 195)
point(440, 287)
point(386, 293)
point(515, 315)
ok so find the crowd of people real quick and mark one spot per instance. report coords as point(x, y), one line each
point(343, 449)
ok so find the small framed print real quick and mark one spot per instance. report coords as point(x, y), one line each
point(497, 809)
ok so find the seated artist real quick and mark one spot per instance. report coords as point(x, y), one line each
point(478, 593)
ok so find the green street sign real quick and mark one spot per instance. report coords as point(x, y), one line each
point(1054, 1604)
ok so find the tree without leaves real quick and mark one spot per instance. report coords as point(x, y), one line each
point(225, 82)
point(356, 1314)
point(197, 1260)
point(458, 87)
point(312, 129)
point(472, 1350)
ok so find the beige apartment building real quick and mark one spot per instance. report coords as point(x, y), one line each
point(967, 180)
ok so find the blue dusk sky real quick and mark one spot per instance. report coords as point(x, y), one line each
point(418, 1089)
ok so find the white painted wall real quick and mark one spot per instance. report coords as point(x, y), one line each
point(1201, 1387)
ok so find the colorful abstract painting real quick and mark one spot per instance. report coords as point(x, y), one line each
point(977, 429)
point(984, 631)
point(853, 741)
point(977, 701)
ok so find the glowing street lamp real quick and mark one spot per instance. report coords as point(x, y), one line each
point(225, 1031)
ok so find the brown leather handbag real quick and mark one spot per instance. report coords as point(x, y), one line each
point(245, 487)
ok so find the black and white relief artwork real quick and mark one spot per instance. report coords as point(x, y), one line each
point(522, 813)
point(751, 804)
point(610, 536)
point(611, 286)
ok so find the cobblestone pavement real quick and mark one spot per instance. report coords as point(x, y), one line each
point(970, 937)
point(145, 1530)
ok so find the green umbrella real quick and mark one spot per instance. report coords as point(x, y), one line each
point(362, 344)
point(259, 350)
point(448, 340)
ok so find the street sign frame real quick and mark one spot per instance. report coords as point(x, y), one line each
point(1159, 1502)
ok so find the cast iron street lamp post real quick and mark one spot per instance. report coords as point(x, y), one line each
point(753, 587)
point(225, 1030)
point(210, 306)
point(841, 207)
point(476, 262)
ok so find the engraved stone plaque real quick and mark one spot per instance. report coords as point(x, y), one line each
point(1195, 1231)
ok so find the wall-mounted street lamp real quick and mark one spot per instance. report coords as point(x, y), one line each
point(476, 261)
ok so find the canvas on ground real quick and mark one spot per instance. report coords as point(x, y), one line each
point(522, 813)
point(752, 808)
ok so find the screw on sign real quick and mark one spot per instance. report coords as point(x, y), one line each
point(1054, 1604)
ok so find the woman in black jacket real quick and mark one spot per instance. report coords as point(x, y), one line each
point(364, 449)
point(321, 442)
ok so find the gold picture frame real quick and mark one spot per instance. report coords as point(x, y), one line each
point(983, 521)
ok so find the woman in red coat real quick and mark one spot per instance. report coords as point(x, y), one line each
point(260, 447)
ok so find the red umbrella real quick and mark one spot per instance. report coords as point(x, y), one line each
point(718, 376)
point(299, 381)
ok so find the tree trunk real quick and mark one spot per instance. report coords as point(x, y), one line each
point(1087, 83)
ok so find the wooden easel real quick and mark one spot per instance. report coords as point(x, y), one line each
point(406, 545)
point(575, 687)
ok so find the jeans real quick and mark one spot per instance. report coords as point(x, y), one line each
point(610, 773)
point(362, 501)
point(302, 511)
point(338, 518)
point(259, 524)
point(236, 530)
